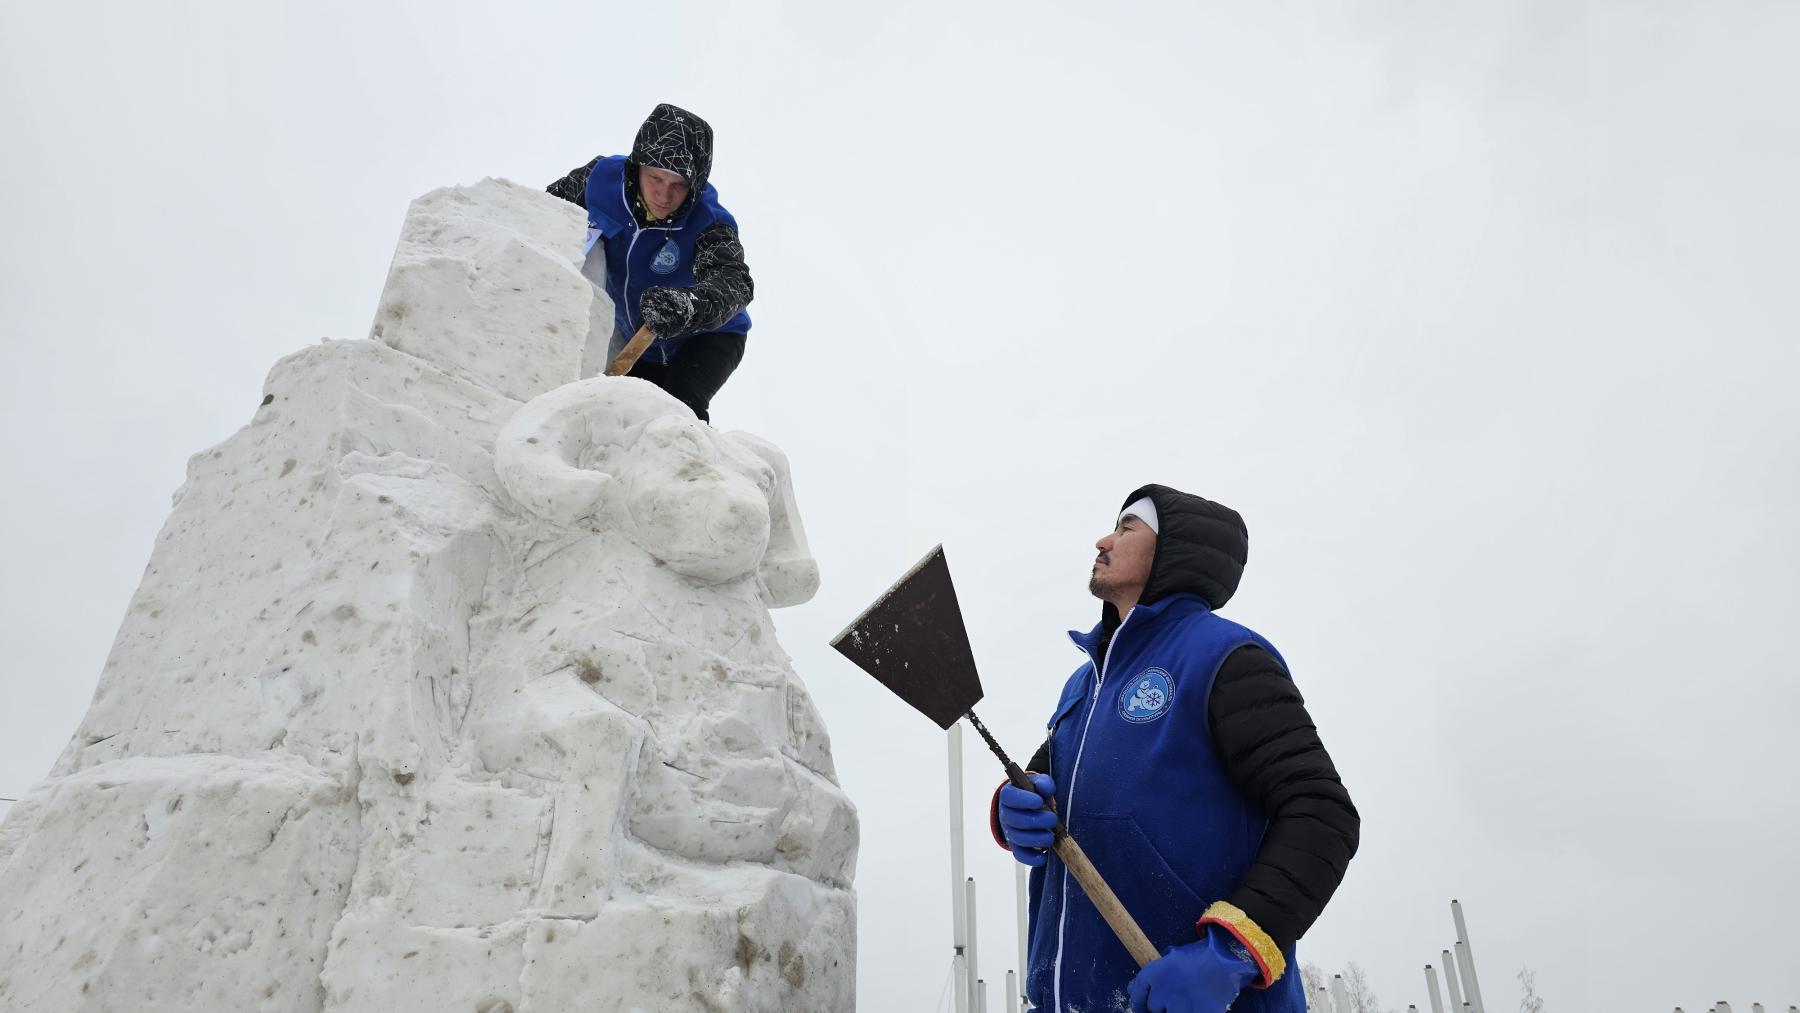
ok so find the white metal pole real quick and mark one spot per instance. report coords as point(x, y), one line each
point(1022, 900)
point(1456, 997)
point(1324, 999)
point(1340, 999)
point(1756, 1007)
point(1012, 992)
point(1724, 1007)
point(959, 939)
point(1431, 986)
point(977, 989)
point(1471, 982)
point(1466, 964)
point(980, 995)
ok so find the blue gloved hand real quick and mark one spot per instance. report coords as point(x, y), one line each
point(1203, 976)
point(1026, 818)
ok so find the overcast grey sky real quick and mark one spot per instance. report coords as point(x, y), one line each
point(1482, 314)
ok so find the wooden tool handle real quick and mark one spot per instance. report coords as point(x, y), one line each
point(1105, 901)
point(1092, 883)
point(628, 356)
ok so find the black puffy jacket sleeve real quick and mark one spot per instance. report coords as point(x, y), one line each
point(573, 187)
point(1273, 754)
point(722, 285)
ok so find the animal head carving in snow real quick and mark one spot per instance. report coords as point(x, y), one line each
point(619, 453)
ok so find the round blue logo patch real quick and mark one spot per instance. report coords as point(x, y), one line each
point(1148, 696)
point(667, 259)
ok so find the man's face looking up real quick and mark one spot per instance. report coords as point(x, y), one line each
point(1122, 567)
point(663, 191)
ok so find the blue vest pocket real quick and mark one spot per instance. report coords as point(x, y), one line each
point(1161, 903)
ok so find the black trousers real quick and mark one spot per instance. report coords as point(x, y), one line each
point(697, 371)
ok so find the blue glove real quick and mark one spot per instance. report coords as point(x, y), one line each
point(1026, 818)
point(1203, 976)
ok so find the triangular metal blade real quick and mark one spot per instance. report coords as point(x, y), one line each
point(913, 641)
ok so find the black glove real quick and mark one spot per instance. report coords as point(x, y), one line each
point(667, 311)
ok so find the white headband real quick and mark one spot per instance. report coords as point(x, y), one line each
point(1145, 511)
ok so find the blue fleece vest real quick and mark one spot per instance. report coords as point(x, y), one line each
point(1141, 788)
point(650, 256)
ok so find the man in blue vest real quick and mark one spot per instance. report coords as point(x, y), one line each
point(1183, 760)
point(673, 259)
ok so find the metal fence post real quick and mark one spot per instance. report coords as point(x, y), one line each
point(1022, 899)
point(1471, 983)
point(1450, 982)
point(959, 937)
point(1466, 965)
point(1431, 988)
point(977, 989)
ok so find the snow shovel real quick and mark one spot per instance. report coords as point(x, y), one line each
point(628, 356)
point(913, 641)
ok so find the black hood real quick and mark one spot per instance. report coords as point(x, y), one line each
point(674, 139)
point(1201, 547)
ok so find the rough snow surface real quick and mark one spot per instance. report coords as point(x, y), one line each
point(431, 699)
point(486, 284)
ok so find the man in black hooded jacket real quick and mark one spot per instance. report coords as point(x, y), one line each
point(1183, 759)
point(673, 261)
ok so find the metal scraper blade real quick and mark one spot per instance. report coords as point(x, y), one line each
point(913, 641)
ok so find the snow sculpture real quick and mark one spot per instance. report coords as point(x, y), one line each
point(430, 700)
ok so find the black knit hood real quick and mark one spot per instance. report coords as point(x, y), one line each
point(1201, 547)
point(674, 139)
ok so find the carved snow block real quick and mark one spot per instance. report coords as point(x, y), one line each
point(486, 284)
point(176, 884)
point(429, 700)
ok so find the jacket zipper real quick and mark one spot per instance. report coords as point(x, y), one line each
point(626, 291)
point(1062, 917)
point(636, 231)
